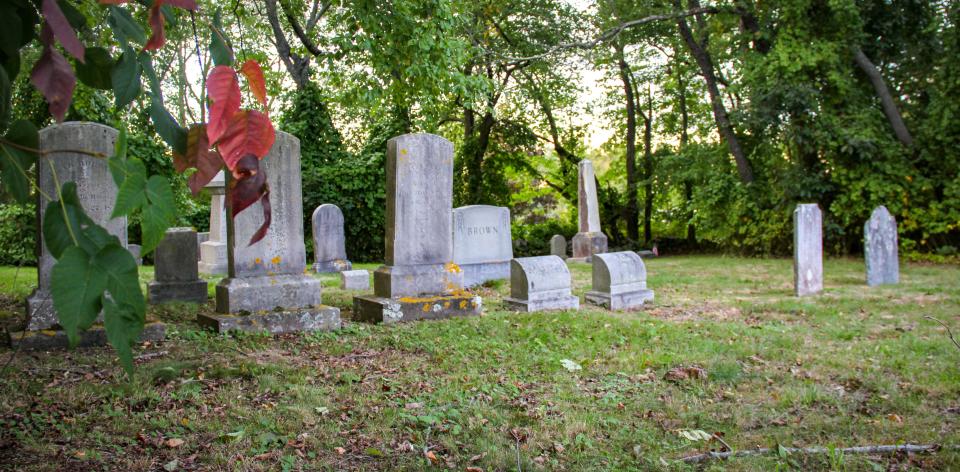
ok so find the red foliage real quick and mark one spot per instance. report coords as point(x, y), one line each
point(61, 29)
point(223, 89)
point(258, 85)
point(53, 76)
point(249, 132)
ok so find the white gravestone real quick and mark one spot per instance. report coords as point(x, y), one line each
point(590, 239)
point(880, 248)
point(558, 246)
point(482, 244)
point(619, 281)
point(807, 249)
point(540, 283)
point(355, 280)
point(213, 251)
point(329, 246)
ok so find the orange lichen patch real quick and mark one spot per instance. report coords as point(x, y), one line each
point(276, 260)
point(453, 268)
point(426, 307)
point(446, 304)
point(403, 152)
point(258, 261)
point(463, 304)
point(434, 299)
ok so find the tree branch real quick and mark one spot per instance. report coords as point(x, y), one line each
point(302, 35)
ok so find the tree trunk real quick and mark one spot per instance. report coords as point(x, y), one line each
point(684, 139)
point(631, 211)
point(298, 67)
point(886, 99)
point(724, 126)
point(648, 170)
point(475, 159)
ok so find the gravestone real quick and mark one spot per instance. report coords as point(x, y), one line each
point(175, 269)
point(619, 281)
point(213, 251)
point(807, 249)
point(97, 193)
point(482, 245)
point(201, 238)
point(267, 288)
point(590, 239)
point(329, 248)
point(135, 252)
point(540, 283)
point(355, 280)
point(419, 279)
point(880, 248)
point(558, 246)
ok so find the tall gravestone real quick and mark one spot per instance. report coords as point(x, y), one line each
point(267, 288)
point(329, 246)
point(419, 279)
point(97, 193)
point(590, 239)
point(540, 283)
point(880, 248)
point(213, 251)
point(619, 281)
point(482, 244)
point(807, 249)
point(558, 246)
point(175, 269)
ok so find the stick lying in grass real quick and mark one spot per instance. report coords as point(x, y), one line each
point(949, 333)
point(819, 450)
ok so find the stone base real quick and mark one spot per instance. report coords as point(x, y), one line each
point(49, 339)
point(588, 244)
point(163, 292)
point(569, 302)
point(477, 274)
point(212, 269)
point(619, 301)
point(374, 309)
point(318, 318)
point(580, 260)
point(336, 265)
point(355, 280)
point(40, 312)
point(267, 293)
point(416, 280)
point(213, 258)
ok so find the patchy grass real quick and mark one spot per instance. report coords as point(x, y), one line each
point(855, 366)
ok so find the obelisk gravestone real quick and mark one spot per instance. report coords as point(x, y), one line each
point(807, 249)
point(590, 239)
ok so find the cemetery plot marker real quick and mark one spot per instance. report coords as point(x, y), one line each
point(619, 281)
point(590, 240)
point(880, 248)
point(175, 269)
point(213, 251)
point(328, 243)
point(540, 283)
point(807, 249)
point(482, 244)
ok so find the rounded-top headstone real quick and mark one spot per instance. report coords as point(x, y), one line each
point(530, 276)
point(329, 245)
point(558, 246)
point(880, 248)
point(615, 270)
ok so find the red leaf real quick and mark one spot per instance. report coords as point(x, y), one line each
point(199, 156)
point(53, 77)
point(61, 29)
point(249, 185)
point(267, 217)
point(258, 85)
point(223, 89)
point(249, 132)
point(158, 38)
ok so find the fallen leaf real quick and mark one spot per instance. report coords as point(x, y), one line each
point(570, 365)
point(433, 457)
point(340, 451)
point(171, 466)
point(474, 469)
point(174, 442)
point(558, 447)
point(895, 418)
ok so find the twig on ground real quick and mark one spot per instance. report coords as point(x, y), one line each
point(949, 333)
point(519, 468)
point(887, 449)
point(718, 438)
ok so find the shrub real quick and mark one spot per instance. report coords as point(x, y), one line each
point(18, 234)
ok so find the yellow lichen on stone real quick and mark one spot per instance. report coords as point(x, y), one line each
point(463, 304)
point(426, 307)
point(275, 260)
point(453, 268)
point(446, 304)
point(257, 261)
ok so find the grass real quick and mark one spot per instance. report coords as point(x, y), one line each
point(854, 366)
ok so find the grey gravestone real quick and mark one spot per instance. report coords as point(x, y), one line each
point(201, 238)
point(482, 244)
point(135, 252)
point(558, 246)
point(268, 288)
point(619, 281)
point(329, 248)
point(175, 269)
point(419, 279)
point(540, 283)
point(355, 280)
point(807, 249)
point(880, 248)
point(213, 251)
point(590, 239)
point(97, 193)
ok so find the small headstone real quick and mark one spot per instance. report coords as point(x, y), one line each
point(558, 246)
point(201, 238)
point(213, 251)
point(540, 283)
point(419, 279)
point(590, 239)
point(619, 281)
point(807, 249)
point(97, 193)
point(135, 252)
point(268, 288)
point(355, 280)
point(482, 244)
point(329, 247)
point(175, 269)
point(881, 248)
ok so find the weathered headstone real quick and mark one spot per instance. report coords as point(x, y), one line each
point(419, 279)
point(880, 248)
point(97, 193)
point(355, 280)
point(482, 244)
point(807, 249)
point(540, 283)
point(590, 239)
point(619, 281)
point(267, 288)
point(329, 247)
point(558, 246)
point(135, 252)
point(213, 251)
point(175, 269)
point(201, 238)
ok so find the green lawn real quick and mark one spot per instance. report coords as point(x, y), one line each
point(854, 366)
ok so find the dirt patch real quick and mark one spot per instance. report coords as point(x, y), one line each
point(701, 312)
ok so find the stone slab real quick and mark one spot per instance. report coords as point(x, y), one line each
point(558, 246)
point(329, 267)
point(267, 293)
point(482, 243)
point(620, 301)
point(373, 309)
point(807, 250)
point(50, 339)
point(135, 250)
point(619, 281)
point(165, 292)
point(355, 280)
point(318, 318)
point(329, 245)
point(586, 245)
point(480, 273)
point(540, 283)
point(880, 248)
point(565, 302)
point(417, 280)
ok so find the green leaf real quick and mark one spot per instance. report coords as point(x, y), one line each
point(124, 26)
point(159, 214)
point(5, 98)
point(220, 51)
point(119, 156)
point(65, 224)
point(146, 63)
point(125, 78)
point(96, 70)
point(12, 65)
point(123, 326)
point(123, 282)
point(15, 163)
point(167, 127)
point(77, 287)
point(11, 29)
point(130, 194)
